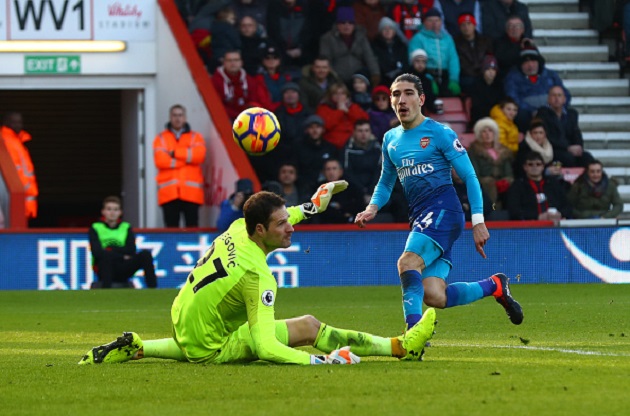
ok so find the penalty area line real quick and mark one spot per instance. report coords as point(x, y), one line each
point(532, 348)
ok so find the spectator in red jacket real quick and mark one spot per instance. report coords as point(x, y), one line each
point(339, 114)
point(237, 89)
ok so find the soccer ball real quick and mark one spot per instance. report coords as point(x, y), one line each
point(256, 130)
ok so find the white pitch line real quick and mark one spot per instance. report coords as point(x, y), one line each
point(525, 347)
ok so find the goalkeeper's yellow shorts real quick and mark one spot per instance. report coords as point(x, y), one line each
point(238, 347)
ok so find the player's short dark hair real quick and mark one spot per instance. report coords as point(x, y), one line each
point(415, 80)
point(110, 199)
point(259, 208)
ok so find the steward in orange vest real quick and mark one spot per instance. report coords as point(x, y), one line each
point(178, 153)
point(14, 138)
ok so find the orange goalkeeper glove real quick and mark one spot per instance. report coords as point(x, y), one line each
point(321, 198)
point(340, 356)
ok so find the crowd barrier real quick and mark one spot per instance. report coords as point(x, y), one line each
point(332, 256)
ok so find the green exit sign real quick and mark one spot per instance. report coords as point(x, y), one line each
point(52, 64)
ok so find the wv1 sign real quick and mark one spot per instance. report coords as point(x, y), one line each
point(126, 20)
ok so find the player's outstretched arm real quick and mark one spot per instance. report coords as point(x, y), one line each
point(321, 198)
point(366, 216)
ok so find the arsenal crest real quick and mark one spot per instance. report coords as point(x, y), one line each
point(424, 142)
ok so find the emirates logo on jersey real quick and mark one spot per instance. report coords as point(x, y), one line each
point(424, 142)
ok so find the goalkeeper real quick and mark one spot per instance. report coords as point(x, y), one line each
point(225, 311)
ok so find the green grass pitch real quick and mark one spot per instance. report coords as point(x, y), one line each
point(571, 356)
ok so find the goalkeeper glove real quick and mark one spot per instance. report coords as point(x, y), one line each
point(321, 198)
point(340, 356)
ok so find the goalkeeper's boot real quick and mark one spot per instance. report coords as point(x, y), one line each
point(119, 351)
point(505, 299)
point(415, 339)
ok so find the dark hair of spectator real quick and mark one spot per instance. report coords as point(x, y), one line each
point(507, 100)
point(259, 208)
point(534, 156)
point(417, 84)
point(513, 17)
point(332, 159)
point(535, 123)
point(112, 199)
point(177, 107)
point(361, 122)
point(283, 164)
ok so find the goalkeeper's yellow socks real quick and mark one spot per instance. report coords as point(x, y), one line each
point(361, 343)
point(165, 348)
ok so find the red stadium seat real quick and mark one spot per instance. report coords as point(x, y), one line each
point(452, 104)
point(451, 117)
point(458, 127)
point(466, 139)
point(468, 106)
point(571, 174)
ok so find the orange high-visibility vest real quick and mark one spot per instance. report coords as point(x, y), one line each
point(179, 166)
point(24, 165)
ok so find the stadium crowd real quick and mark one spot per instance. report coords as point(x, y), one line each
point(325, 66)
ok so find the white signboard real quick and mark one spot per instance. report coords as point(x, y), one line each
point(127, 20)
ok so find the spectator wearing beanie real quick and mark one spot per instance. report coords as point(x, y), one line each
point(348, 48)
point(418, 67)
point(390, 48)
point(291, 114)
point(487, 91)
point(360, 92)
point(508, 47)
point(443, 64)
point(472, 47)
point(272, 75)
point(529, 83)
point(382, 116)
point(312, 152)
point(451, 10)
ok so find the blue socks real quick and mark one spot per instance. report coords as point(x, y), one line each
point(456, 294)
point(413, 295)
point(465, 293)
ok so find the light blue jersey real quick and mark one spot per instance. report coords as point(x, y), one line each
point(421, 158)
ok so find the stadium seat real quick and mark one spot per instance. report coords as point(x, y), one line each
point(458, 127)
point(468, 106)
point(452, 104)
point(453, 117)
point(466, 139)
point(571, 174)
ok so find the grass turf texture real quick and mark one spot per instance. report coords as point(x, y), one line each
point(571, 356)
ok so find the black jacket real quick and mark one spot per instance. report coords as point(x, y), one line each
point(522, 200)
point(311, 157)
point(561, 133)
point(362, 166)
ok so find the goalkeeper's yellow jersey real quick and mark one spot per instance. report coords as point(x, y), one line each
point(230, 285)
